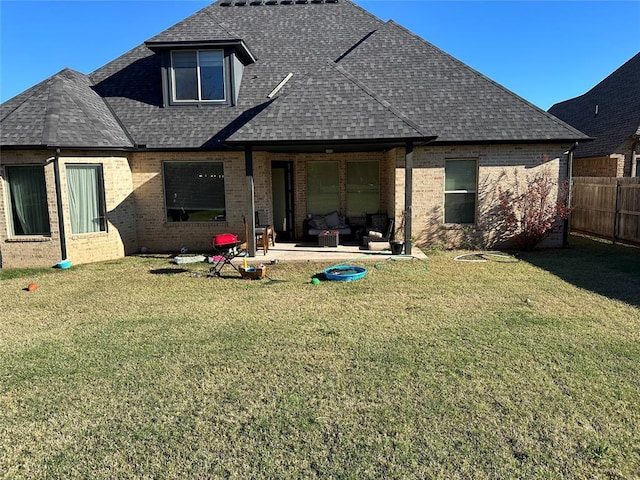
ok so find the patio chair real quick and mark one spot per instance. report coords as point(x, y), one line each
point(262, 235)
point(262, 229)
point(374, 236)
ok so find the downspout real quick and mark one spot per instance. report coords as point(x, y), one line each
point(56, 174)
point(565, 233)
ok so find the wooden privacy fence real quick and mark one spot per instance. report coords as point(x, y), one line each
point(607, 207)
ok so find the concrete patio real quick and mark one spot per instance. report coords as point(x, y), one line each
point(301, 252)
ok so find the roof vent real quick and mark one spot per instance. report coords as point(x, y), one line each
point(597, 108)
point(225, 3)
point(280, 85)
point(286, 2)
point(271, 2)
point(241, 3)
point(302, 1)
point(255, 2)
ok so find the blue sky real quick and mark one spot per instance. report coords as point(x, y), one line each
point(545, 51)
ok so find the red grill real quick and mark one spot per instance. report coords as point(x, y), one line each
point(224, 240)
point(226, 247)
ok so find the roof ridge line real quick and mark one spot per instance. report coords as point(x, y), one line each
point(209, 12)
point(38, 87)
point(89, 111)
point(386, 104)
point(52, 112)
point(484, 77)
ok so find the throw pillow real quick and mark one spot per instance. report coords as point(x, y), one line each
point(332, 219)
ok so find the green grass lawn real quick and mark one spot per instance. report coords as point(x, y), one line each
point(440, 369)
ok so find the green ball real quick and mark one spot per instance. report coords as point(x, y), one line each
point(315, 281)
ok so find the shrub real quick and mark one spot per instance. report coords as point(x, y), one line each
point(530, 210)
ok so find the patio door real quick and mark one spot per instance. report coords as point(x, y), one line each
point(282, 192)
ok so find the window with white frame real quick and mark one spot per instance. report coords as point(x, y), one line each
point(28, 210)
point(460, 190)
point(194, 191)
point(198, 76)
point(85, 187)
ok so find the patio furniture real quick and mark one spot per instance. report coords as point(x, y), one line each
point(329, 238)
point(265, 229)
point(263, 235)
point(376, 237)
point(316, 224)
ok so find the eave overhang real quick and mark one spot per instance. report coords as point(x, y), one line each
point(238, 45)
point(329, 145)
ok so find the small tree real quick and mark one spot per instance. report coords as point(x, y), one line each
point(530, 210)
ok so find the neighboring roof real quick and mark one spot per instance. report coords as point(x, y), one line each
point(354, 78)
point(617, 99)
point(62, 111)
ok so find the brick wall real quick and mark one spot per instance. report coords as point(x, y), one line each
point(120, 236)
point(42, 251)
point(29, 251)
point(155, 233)
point(610, 166)
point(496, 167)
point(136, 204)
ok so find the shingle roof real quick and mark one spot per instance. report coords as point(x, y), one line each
point(444, 95)
point(354, 77)
point(329, 92)
point(618, 117)
point(62, 111)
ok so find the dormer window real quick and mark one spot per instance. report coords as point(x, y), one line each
point(201, 72)
point(198, 76)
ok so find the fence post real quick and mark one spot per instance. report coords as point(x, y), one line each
point(616, 213)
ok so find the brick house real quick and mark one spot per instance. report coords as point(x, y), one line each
point(610, 113)
point(286, 108)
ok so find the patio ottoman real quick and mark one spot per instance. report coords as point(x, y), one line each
point(328, 238)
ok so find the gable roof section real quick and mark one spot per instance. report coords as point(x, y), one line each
point(444, 95)
point(618, 117)
point(62, 111)
point(328, 105)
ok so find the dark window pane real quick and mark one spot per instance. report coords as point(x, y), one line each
point(460, 175)
point(460, 208)
point(363, 187)
point(323, 190)
point(185, 75)
point(211, 75)
point(194, 191)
